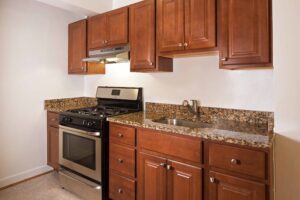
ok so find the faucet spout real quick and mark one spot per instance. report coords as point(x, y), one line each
point(193, 108)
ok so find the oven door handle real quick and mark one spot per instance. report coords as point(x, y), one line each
point(95, 134)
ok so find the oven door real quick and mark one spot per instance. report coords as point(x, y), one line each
point(80, 151)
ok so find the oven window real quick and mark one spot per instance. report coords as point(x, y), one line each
point(79, 150)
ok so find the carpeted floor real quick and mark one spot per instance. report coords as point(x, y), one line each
point(45, 187)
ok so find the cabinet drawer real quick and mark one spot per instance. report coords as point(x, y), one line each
point(122, 134)
point(244, 161)
point(173, 145)
point(52, 119)
point(122, 159)
point(121, 188)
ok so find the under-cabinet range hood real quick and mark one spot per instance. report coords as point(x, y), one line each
point(109, 55)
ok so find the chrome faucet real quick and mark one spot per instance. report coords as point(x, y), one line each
point(193, 108)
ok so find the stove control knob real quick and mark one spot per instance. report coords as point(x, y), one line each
point(90, 124)
point(67, 119)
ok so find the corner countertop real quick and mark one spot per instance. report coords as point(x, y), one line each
point(234, 132)
point(60, 105)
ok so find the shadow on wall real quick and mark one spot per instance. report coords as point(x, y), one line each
point(287, 167)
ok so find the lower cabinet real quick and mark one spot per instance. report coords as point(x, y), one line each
point(52, 140)
point(160, 178)
point(225, 187)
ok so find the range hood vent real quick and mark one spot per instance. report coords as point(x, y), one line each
point(109, 55)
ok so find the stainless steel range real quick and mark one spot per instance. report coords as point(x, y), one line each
point(83, 141)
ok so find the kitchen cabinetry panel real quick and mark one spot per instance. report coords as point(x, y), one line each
point(121, 188)
point(200, 24)
point(225, 187)
point(77, 47)
point(96, 32)
point(170, 16)
point(151, 177)
point(245, 33)
point(185, 181)
point(117, 27)
point(52, 140)
point(142, 35)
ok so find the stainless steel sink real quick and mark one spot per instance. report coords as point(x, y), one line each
point(182, 122)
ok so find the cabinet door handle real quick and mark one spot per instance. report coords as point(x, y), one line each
point(164, 165)
point(169, 167)
point(186, 44)
point(150, 63)
point(211, 179)
point(120, 160)
point(234, 161)
point(120, 135)
point(224, 59)
point(180, 45)
point(120, 191)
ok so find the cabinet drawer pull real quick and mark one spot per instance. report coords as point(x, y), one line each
point(120, 191)
point(186, 44)
point(120, 135)
point(211, 179)
point(180, 45)
point(234, 161)
point(120, 160)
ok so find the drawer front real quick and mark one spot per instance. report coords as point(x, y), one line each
point(52, 119)
point(122, 134)
point(121, 188)
point(173, 145)
point(238, 160)
point(122, 159)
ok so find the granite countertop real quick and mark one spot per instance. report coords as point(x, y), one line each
point(60, 105)
point(234, 132)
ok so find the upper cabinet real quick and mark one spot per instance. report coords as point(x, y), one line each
point(108, 29)
point(77, 47)
point(143, 53)
point(186, 25)
point(245, 33)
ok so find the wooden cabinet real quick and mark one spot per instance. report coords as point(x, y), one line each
point(168, 166)
point(186, 25)
point(245, 36)
point(143, 39)
point(122, 162)
point(108, 29)
point(152, 177)
point(225, 187)
point(52, 139)
point(77, 47)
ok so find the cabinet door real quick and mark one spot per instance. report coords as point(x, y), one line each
point(142, 35)
point(170, 19)
point(152, 177)
point(245, 32)
point(53, 147)
point(200, 24)
point(225, 187)
point(77, 47)
point(184, 182)
point(117, 27)
point(97, 32)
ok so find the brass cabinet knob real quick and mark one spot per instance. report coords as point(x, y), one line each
point(164, 165)
point(150, 63)
point(169, 167)
point(224, 59)
point(120, 160)
point(120, 135)
point(234, 161)
point(186, 44)
point(120, 191)
point(211, 179)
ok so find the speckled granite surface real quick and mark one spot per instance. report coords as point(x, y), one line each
point(241, 130)
point(60, 105)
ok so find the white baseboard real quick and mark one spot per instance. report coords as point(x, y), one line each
point(6, 181)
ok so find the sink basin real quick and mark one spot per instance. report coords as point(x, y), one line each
point(182, 122)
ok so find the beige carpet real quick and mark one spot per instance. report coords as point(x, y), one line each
point(45, 187)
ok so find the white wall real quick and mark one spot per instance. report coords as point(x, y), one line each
point(33, 62)
point(121, 3)
point(82, 7)
point(287, 97)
